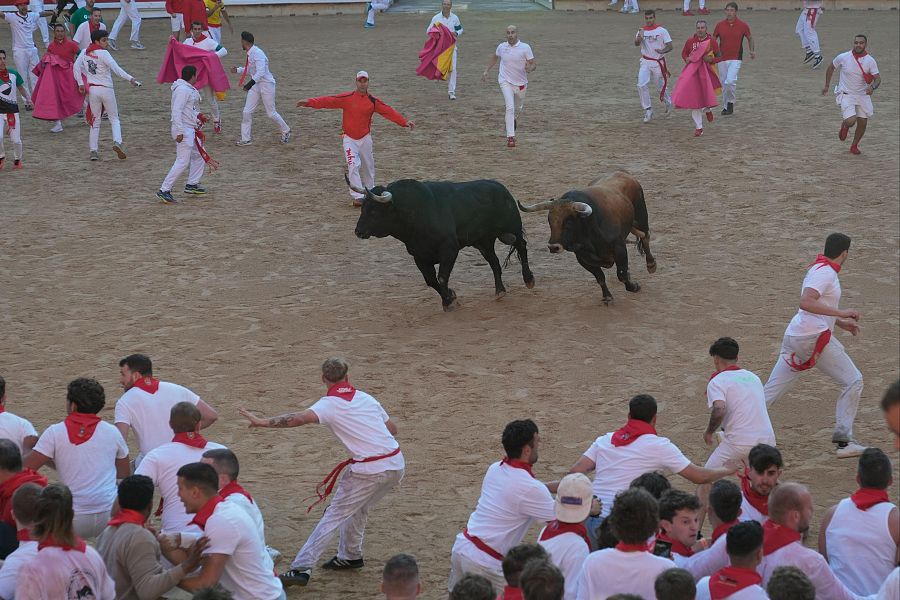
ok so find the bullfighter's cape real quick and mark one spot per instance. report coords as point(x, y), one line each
point(209, 67)
point(55, 95)
point(436, 58)
point(698, 83)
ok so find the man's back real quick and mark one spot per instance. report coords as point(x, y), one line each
point(746, 421)
point(610, 571)
point(813, 564)
point(15, 428)
point(861, 550)
point(148, 413)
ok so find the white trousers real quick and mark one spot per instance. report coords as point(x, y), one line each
point(374, 6)
point(360, 163)
point(687, 5)
point(631, 5)
point(263, 91)
point(187, 156)
point(697, 115)
point(38, 7)
point(216, 34)
point(127, 10)
point(806, 28)
point(348, 512)
point(727, 451)
point(461, 565)
point(728, 75)
point(89, 526)
point(214, 105)
point(100, 99)
point(650, 71)
point(451, 85)
point(26, 60)
point(15, 136)
point(514, 97)
point(835, 363)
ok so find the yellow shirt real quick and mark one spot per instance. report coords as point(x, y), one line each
point(215, 19)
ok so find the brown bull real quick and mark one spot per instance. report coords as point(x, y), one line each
point(594, 224)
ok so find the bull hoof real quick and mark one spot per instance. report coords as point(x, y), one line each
point(651, 267)
point(530, 283)
point(452, 306)
point(607, 300)
point(632, 286)
point(499, 295)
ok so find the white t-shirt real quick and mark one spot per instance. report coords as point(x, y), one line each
point(654, 41)
point(852, 80)
point(452, 23)
point(9, 572)
point(161, 465)
point(258, 66)
point(828, 587)
point(617, 467)
point(252, 510)
point(510, 501)
point(22, 29)
point(15, 428)
point(609, 571)
point(97, 69)
point(63, 575)
point(88, 469)
point(148, 414)
point(824, 280)
point(568, 552)
point(360, 425)
point(861, 549)
point(249, 573)
point(746, 421)
point(512, 63)
point(706, 562)
point(753, 592)
point(749, 512)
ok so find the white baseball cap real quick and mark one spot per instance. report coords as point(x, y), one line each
point(573, 498)
point(362, 74)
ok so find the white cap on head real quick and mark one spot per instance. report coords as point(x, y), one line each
point(573, 498)
point(362, 74)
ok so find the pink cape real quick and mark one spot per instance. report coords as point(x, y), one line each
point(55, 95)
point(209, 68)
point(698, 82)
point(440, 41)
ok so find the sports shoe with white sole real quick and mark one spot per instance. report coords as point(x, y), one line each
point(648, 114)
point(452, 96)
point(137, 46)
point(849, 449)
point(243, 142)
point(343, 564)
point(818, 61)
point(95, 155)
point(57, 128)
point(112, 45)
point(194, 188)
point(295, 577)
point(166, 197)
point(286, 137)
point(668, 107)
point(809, 56)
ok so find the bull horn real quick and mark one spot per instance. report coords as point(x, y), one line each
point(582, 208)
point(545, 205)
point(353, 187)
point(384, 198)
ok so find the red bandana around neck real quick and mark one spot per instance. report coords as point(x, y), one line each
point(511, 593)
point(23, 535)
point(200, 39)
point(623, 547)
point(866, 498)
point(126, 515)
point(206, 512)
point(518, 464)
point(650, 27)
point(723, 529)
point(93, 48)
point(824, 261)
point(190, 438)
point(730, 580)
point(342, 390)
point(4, 75)
point(234, 488)
point(147, 384)
point(728, 368)
point(632, 430)
point(756, 500)
point(81, 427)
point(49, 542)
point(777, 536)
point(2, 407)
point(555, 528)
point(677, 547)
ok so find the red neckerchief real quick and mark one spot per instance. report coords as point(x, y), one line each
point(190, 438)
point(126, 515)
point(777, 536)
point(342, 390)
point(867, 77)
point(730, 580)
point(4, 75)
point(147, 384)
point(756, 500)
point(23, 535)
point(650, 27)
point(202, 37)
point(234, 488)
point(632, 430)
point(823, 261)
point(555, 528)
point(677, 547)
point(8, 488)
point(81, 427)
point(246, 68)
point(728, 368)
point(2, 407)
point(518, 464)
point(93, 27)
point(866, 498)
point(623, 547)
point(511, 593)
point(49, 542)
point(206, 512)
point(723, 529)
point(93, 48)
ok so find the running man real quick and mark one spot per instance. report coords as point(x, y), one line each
point(260, 87)
point(859, 79)
point(371, 7)
point(198, 39)
point(449, 20)
point(655, 43)
point(10, 82)
point(516, 62)
point(730, 34)
point(810, 15)
point(127, 10)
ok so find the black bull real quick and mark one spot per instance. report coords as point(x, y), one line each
point(435, 219)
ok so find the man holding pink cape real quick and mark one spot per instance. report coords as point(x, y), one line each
point(56, 94)
point(698, 84)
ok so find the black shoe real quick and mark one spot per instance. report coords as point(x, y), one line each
point(166, 197)
point(295, 577)
point(729, 109)
point(818, 61)
point(194, 188)
point(809, 57)
point(341, 564)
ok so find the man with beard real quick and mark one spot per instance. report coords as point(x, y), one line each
point(859, 80)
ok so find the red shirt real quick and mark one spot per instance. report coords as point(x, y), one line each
point(174, 6)
point(731, 38)
point(66, 50)
point(358, 110)
point(694, 41)
point(194, 10)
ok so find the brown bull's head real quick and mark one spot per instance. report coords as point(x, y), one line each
point(559, 211)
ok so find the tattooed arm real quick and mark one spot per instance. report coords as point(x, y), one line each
point(294, 419)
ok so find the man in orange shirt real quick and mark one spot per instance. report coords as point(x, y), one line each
point(730, 34)
point(358, 106)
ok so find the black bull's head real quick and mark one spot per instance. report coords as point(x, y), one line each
point(563, 217)
point(375, 217)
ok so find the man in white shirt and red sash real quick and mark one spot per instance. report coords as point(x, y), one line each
point(859, 80)
point(511, 500)
point(739, 580)
point(655, 42)
point(764, 467)
point(790, 514)
point(808, 342)
point(859, 537)
point(376, 467)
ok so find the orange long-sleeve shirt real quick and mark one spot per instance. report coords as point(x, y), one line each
point(358, 110)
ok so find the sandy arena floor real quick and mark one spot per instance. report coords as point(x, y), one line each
point(242, 293)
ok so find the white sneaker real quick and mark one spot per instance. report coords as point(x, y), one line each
point(614, 2)
point(648, 114)
point(243, 142)
point(452, 96)
point(57, 128)
point(668, 107)
point(286, 137)
point(112, 45)
point(634, 11)
point(850, 450)
point(137, 46)
point(623, 10)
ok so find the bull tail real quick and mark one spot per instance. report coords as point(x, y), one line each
point(641, 219)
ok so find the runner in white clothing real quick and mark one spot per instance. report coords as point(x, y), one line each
point(82, 35)
point(37, 6)
point(739, 580)
point(128, 10)
point(260, 87)
point(810, 15)
point(22, 24)
point(655, 42)
point(13, 427)
point(376, 465)
point(186, 123)
point(853, 93)
point(449, 20)
point(199, 39)
point(516, 62)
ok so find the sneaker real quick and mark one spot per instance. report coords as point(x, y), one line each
point(80, 114)
point(709, 116)
point(698, 132)
point(623, 10)
point(57, 128)
point(614, 2)
point(687, 13)
point(809, 56)
point(194, 188)
point(137, 46)
point(849, 449)
point(703, 11)
point(729, 108)
point(452, 96)
point(286, 137)
point(367, 26)
point(668, 106)
point(342, 564)
point(104, 116)
point(854, 149)
point(112, 44)
point(634, 11)
point(648, 114)
point(217, 126)
point(511, 142)
point(17, 164)
point(295, 577)
point(95, 155)
point(166, 197)
point(817, 61)
point(120, 152)
point(842, 134)
point(243, 142)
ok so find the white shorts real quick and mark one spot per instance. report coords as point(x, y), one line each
point(726, 451)
point(177, 22)
point(853, 105)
